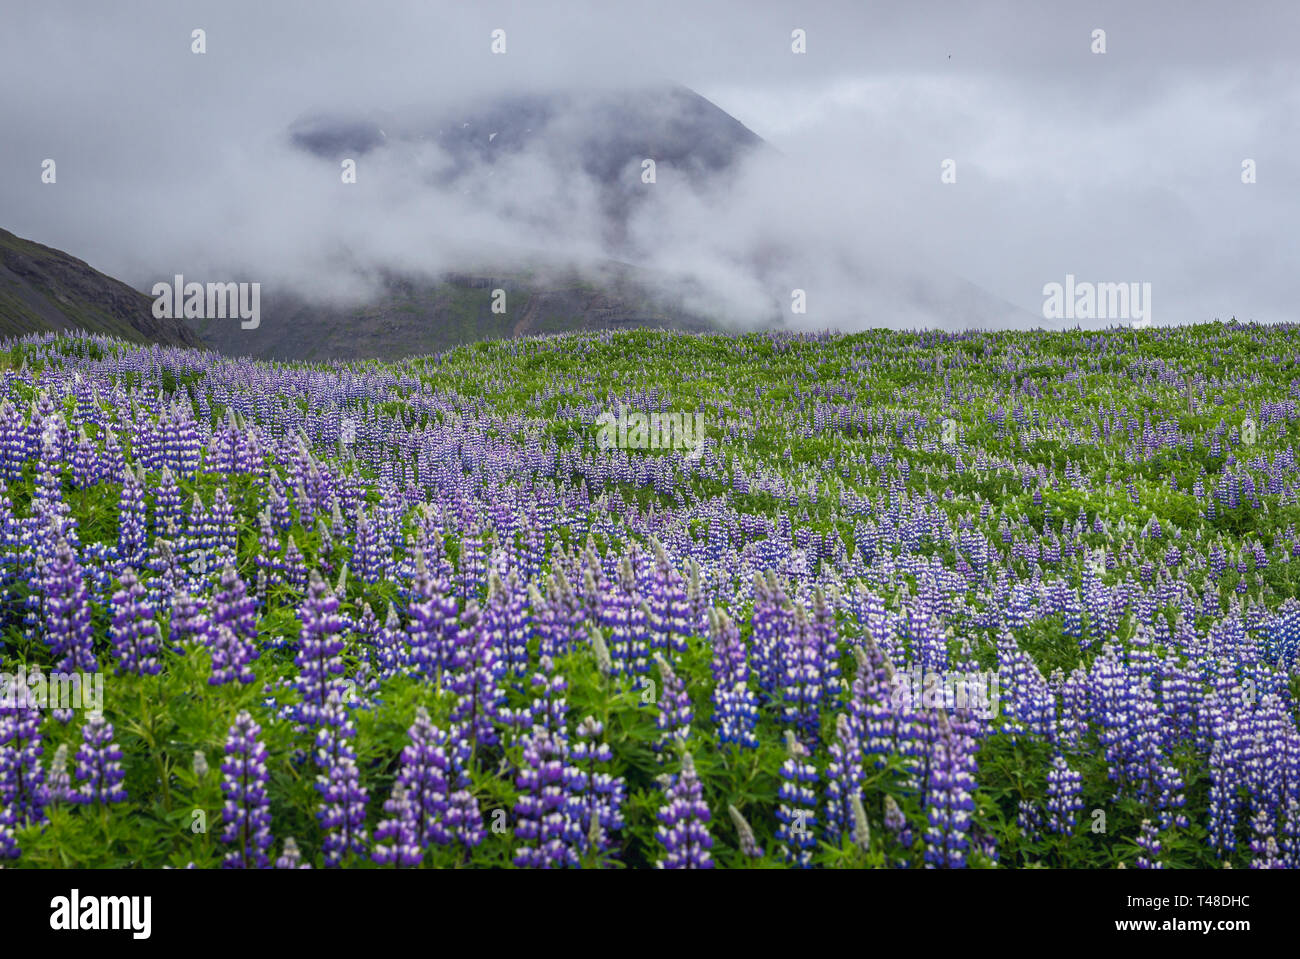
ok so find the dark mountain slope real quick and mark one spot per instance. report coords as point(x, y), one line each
point(46, 289)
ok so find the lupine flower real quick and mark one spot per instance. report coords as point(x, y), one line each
point(1064, 787)
point(549, 838)
point(675, 713)
point(291, 856)
point(683, 822)
point(133, 631)
point(395, 839)
point(24, 792)
point(735, 705)
point(423, 782)
point(432, 626)
point(342, 814)
point(99, 764)
point(319, 648)
point(1149, 842)
point(246, 814)
point(797, 809)
point(596, 797)
point(68, 629)
point(948, 798)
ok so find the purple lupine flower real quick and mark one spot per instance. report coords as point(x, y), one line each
point(796, 811)
point(133, 533)
point(24, 792)
point(230, 657)
point(844, 777)
point(505, 615)
point(668, 609)
point(391, 648)
point(395, 842)
point(68, 629)
point(235, 609)
point(475, 681)
point(596, 797)
point(134, 632)
point(246, 813)
point(424, 776)
point(291, 856)
point(683, 822)
point(432, 627)
point(319, 647)
point(169, 506)
point(99, 764)
point(9, 848)
point(549, 708)
point(624, 612)
point(675, 712)
point(735, 705)
point(1149, 844)
point(1064, 788)
point(948, 799)
point(270, 565)
point(543, 822)
point(342, 814)
point(1029, 820)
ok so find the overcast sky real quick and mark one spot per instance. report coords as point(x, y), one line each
point(1115, 167)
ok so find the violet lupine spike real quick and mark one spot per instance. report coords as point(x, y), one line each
point(543, 822)
point(320, 646)
point(134, 632)
point(68, 629)
point(246, 814)
point(1149, 845)
point(432, 624)
point(24, 790)
point(478, 669)
point(948, 798)
point(844, 777)
point(99, 764)
point(673, 719)
point(684, 822)
point(342, 813)
point(1064, 788)
point(232, 606)
point(796, 811)
point(735, 704)
point(596, 797)
point(424, 778)
point(395, 836)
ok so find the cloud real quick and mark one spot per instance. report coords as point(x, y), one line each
point(1117, 167)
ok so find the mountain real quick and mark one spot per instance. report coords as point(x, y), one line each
point(606, 136)
point(46, 289)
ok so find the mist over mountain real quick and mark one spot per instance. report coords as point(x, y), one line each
point(625, 208)
point(574, 269)
point(816, 177)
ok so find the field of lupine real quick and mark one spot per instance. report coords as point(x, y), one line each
point(414, 614)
